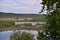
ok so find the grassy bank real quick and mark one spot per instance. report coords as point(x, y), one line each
point(10, 25)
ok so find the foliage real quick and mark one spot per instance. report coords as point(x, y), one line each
point(53, 16)
point(41, 36)
point(21, 36)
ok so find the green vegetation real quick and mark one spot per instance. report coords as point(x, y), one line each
point(41, 36)
point(21, 36)
point(53, 19)
point(10, 25)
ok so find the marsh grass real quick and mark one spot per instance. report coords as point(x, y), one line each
point(10, 25)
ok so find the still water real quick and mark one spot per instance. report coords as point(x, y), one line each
point(33, 23)
point(5, 35)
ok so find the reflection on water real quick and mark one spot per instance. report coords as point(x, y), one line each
point(4, 35)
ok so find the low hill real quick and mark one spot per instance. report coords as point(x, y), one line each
point(2, 14)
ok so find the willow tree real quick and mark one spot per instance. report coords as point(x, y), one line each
point(52, 8)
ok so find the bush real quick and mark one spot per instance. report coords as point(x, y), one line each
point(21, 36)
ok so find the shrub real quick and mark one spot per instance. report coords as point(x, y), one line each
point(21, 36)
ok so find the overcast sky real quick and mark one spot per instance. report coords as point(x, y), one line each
point(20, 6)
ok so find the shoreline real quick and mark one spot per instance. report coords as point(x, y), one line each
point(16, 29)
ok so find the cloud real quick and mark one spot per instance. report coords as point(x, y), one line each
point(20, 6)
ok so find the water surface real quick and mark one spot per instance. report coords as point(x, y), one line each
point(5, 35)
point(33, 23)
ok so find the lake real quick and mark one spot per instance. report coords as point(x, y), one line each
point(4, 35)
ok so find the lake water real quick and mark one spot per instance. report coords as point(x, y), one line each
point(5, 35)
point(33, 23)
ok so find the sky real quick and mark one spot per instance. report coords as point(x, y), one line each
point(20, 6)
